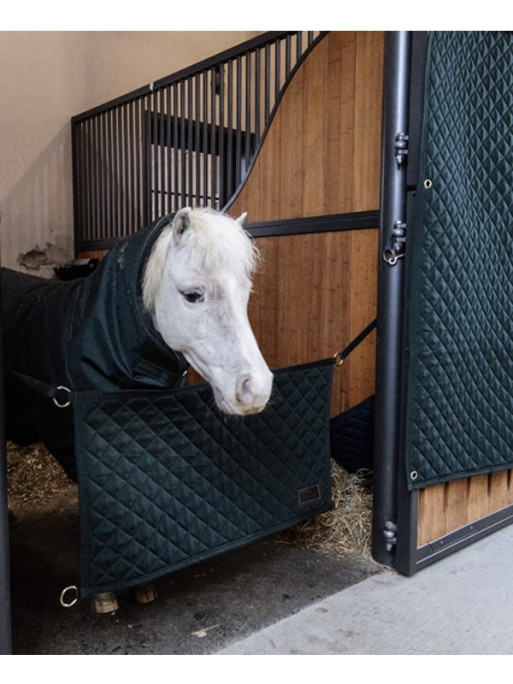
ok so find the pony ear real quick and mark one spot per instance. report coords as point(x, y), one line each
point(242, 218)
point(181, 224)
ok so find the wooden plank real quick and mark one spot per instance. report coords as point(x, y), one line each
point(431, 514)
point(363, 308)
point(339, 162)
point(315, 139)
point(368, 113)
point(456, 511)
point(477, 504)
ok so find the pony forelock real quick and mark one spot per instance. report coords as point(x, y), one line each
point(216, 243)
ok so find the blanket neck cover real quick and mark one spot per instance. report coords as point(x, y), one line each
point(86, 334)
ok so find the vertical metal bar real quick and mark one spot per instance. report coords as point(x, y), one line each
point(130, 168)
point(205, 137)
point(155, 154)
point(5, 586)
point(139, 165)
point(162, 119)
point(108, 171)
point(390, 295)
point(146, 137)
point(230, 182)
point(108, 165)
point(176, 167)
point(183, 148)
point(77, 148)
point(119, 173)
point(112, 174)
point(169, 149)
point(213, 173)
point(247, 151)
point(89, 189)
point(287, 56)
point(238, 122)
point(126, 173)
point(223, 196)
point(190, 147)
point(267, 93)
point(197, 140)
point(257, 97)
point(97, 175)
point(277, 70)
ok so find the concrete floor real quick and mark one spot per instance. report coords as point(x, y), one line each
point(462, 605)
point(200, 610)
point(268, 598)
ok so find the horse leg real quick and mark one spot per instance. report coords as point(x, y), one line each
point(106, 602)
point(145, 593)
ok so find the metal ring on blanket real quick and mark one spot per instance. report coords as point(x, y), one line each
point(69, 604)
point(67, 403)
point(338, 359)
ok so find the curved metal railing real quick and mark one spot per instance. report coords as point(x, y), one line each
point(186, 140)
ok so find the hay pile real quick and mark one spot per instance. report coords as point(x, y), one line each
point(34, 478)
point(348, 526)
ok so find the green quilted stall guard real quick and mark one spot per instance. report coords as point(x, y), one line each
point(166, 480)
point(459, 415)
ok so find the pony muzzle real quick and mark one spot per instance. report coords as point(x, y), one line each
point(252, 392)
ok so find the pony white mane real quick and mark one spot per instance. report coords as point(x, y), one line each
point(216, 242)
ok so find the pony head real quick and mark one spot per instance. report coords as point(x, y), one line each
point(196, 286)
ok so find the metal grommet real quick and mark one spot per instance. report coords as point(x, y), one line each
point(67, 403)
point(340, 360)
point(428, 183)
point(71, 603)
point(414, 475)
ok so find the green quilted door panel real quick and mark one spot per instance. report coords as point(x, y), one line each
point(459, 413)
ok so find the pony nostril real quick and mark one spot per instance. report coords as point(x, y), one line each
point(245, 393)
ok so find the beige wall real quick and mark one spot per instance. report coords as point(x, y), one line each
point(47, 77)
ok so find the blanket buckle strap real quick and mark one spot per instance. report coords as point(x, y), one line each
point(340, 356)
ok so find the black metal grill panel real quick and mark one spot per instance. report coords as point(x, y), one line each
point(186, 140)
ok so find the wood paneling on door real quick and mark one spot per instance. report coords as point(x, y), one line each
point(322, 153)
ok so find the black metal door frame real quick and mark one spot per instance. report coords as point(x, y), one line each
point(5, 591)
point(395, 509)
point(394, 166)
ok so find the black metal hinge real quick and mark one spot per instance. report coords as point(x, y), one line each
point(401, 148)
point(396, 245)
point(390, 535)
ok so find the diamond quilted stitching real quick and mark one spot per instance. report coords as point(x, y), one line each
point(165, 480)
point(460, 386)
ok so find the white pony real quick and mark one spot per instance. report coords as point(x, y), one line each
point(196, 286)
point(172, 295)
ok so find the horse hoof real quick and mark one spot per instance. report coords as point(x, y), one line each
point(145, 593)
point(106, 602)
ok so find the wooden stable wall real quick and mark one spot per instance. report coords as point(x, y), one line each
point(321, 155)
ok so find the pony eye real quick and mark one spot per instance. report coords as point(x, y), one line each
point(193, 296)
